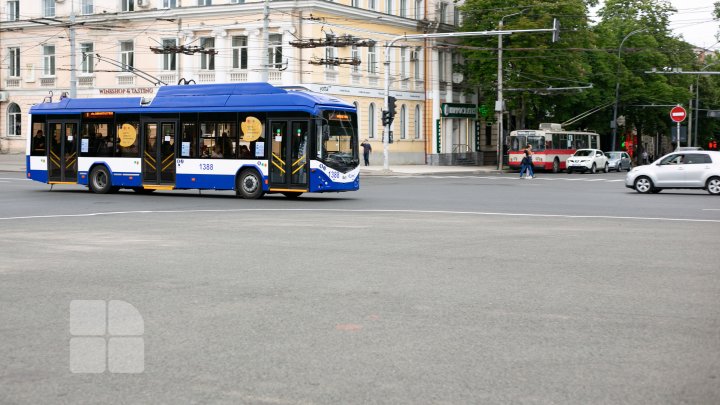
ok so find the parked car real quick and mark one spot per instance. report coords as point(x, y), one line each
point(619, 161)
point(587, 160)
point(689, 169)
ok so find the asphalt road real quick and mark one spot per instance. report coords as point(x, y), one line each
point(456, 289)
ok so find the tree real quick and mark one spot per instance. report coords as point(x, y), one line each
point(531, 61)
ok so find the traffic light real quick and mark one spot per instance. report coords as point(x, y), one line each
point(385, 118)
point(622, 142)
point(391, 109)
point(713, 145)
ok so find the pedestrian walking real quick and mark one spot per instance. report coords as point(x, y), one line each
point(366, 151)
point(526, 164)
point(645, 157)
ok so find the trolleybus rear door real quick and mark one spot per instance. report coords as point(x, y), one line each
point(63, 152)
point(288, 156)
point(158, 164)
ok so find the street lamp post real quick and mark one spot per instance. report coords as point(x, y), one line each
point(499, 105)
point(617, 87)
point(697, 104)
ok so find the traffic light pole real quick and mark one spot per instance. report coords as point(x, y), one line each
point(386, 130)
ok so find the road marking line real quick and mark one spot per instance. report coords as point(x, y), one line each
point(711, 209)
point(378, 211)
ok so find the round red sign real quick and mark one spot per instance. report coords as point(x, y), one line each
point(678, 114)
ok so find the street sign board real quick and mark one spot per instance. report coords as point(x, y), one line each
point(678, 114)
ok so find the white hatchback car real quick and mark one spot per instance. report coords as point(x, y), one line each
point(585, 160)
point(682, 169)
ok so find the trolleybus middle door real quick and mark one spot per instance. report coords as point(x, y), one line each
point(158, 153)
point(63, 152)
point(288, 155)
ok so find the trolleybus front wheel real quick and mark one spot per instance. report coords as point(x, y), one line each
point(249, 185)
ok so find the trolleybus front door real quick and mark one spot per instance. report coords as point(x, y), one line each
point(288, 156)
point(63, 152)
point(158, 153)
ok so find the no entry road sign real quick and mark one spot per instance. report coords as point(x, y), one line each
point(678, 114)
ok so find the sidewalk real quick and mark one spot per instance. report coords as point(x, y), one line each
point(16, 163)
point(12, 162)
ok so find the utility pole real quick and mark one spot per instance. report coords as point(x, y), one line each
point(73, 56)
point(500, 103)
point(617, 87)
point(266, 41)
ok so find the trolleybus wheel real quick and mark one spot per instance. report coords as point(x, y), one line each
point(556, 166)
point(249, 185)
point(100, 180)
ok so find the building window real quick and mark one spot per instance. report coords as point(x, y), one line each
point(86, 7)
point(87, 65)
point(49, 60)
point(418, 122)
point(403, 8)
point(127, 55)
point(204, 2)
point(207, 60)
point(416, 62)
point(418, 10)
point(329, 52)
point(357, 112)
point(48, 8)
point(14, 55)
point(456, 17)
point(238, 1)
point(443, 13)
point(403, 122)
point(372, 5)
point(355, 55)
point(355, 3)
point(388, 6)
point(128, 5)
point(169, 59)
point(275, 51)
point(13, 10)
point(403, 63)
point(371, 68)
point(441, 67)
point(371, 121)
point(14, 120)
point(169, 3)
point(240, 52)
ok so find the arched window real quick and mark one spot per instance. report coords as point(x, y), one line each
point(403, 122)
point(371, 121)
point(14, 120)
point(418, 122)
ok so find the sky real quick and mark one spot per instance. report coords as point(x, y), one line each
point(694, 21)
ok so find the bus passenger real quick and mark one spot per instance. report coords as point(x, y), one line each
point(39, 142)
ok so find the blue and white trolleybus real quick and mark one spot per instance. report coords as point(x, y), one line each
point(253, 138)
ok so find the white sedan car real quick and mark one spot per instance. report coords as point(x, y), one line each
point(683, 169)
point(585, 160)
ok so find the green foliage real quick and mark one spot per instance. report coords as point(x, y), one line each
point(585, 54)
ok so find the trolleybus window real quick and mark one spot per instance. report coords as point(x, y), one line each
point(337, 141)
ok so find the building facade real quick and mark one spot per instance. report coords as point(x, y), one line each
point(111, 48)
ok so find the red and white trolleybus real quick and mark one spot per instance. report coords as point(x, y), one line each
point(551, 145)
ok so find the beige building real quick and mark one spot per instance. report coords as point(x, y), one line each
point(129, 47)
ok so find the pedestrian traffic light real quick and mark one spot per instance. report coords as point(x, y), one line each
point(385, 118)
point(391, 109)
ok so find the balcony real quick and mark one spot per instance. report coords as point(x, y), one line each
point(126, 80)
point(331, 76)
point(47, 82)
point(12, 82)
point(206, 76)
point(86, 81)
point(169, 78)
point(238, 77)
point(275, 77)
